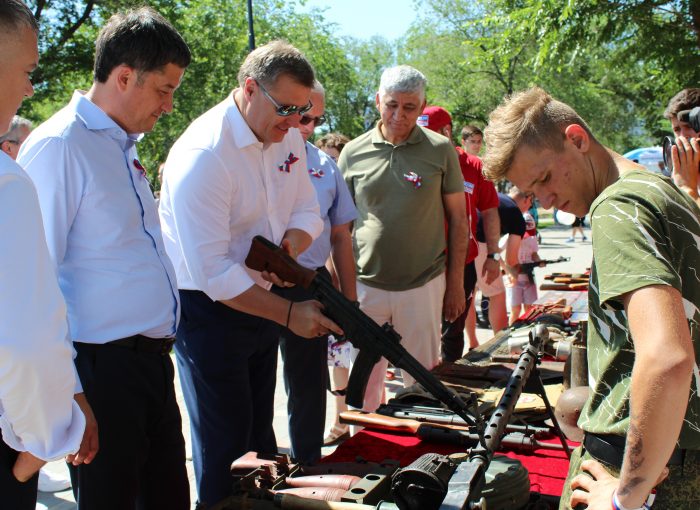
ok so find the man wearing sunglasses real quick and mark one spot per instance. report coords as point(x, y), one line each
point(239, 171)
point(305, 367)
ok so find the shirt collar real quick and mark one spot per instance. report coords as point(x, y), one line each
point(95, 119)
point(416, 136)
point(243, 136)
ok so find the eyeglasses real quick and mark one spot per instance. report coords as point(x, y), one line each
point(318, 121)
point(285, 110)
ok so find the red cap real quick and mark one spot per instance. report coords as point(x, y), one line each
point(434, 118)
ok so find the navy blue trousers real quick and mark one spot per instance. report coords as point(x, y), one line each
point(227, 362)
point(306, 382)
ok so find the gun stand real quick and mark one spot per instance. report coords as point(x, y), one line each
point(534, 385)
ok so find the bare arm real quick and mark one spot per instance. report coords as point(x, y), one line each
point(512, 248)
point(344, 260)
point(492, 230)
point(457, 235)
point(660, 388)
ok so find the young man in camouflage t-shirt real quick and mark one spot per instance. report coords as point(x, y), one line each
point(643, 304)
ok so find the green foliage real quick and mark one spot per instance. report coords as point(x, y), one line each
point(617, 63)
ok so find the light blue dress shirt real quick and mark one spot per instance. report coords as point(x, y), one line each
point(334, 199)
point(102, 226)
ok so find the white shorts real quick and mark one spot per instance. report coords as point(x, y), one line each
point(524, 292)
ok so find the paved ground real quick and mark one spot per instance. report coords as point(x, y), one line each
point(553, 245)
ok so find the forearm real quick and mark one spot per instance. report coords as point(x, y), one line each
point(492, 228)
point(261, 303)
point(344, 261)
point(659, 396)
point(300, 240)
point(457, 235)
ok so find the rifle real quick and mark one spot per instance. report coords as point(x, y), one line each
point(528, 267)
point(444, 433)
point(372, 340)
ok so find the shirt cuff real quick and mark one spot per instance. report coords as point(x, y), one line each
point(310, 223)
point(61, 441)
point(230, 284)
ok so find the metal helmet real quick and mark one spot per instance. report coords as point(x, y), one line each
point(568, 410)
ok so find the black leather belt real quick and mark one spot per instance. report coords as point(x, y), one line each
point(141, 343)
point(610, 449)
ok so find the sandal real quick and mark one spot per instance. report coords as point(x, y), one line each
point(337, 434)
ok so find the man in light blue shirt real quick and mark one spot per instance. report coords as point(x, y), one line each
point(305, 370)
point(104, 236)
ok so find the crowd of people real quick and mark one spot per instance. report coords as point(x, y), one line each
point(99, 282)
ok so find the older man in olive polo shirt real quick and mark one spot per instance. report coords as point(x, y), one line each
point(406, 182)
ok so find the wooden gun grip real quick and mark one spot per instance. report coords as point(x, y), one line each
point(264, 255)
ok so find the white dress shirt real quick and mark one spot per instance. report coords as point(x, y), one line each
point(221, 188)
point(37, 379)
point(102, 226)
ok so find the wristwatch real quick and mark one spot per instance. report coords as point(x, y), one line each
point(495, 256)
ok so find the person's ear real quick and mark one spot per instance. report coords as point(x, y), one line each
point(578, 136)
point(249, 88)
point(5, 147)
point(124, 76)
point(377, 101)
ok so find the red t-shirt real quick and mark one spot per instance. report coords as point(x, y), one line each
point(480, 193)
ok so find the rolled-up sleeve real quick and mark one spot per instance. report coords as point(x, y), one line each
point(200, 198)
point(37, 379)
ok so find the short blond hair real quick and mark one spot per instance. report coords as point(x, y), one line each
point(531, 117)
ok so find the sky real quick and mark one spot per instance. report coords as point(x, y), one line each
point(364, 18)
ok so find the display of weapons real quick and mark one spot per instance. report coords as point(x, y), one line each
point(372, 340)
point(465, 486)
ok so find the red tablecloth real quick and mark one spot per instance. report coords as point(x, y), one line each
point(547, 468)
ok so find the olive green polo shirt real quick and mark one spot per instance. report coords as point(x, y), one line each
point(399, 234)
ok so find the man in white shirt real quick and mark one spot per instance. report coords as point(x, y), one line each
point(239, 171)
point(104, 236)
point(39, 418)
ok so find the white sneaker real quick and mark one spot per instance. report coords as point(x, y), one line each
point(51, 482)
point(41, 506)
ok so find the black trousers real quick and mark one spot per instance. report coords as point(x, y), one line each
point(452, 347)
point(15, 494)
point(227, 362)
point(141, 461)
point(306, 382)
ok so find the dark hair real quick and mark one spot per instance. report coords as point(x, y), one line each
point(15, 14)
point(141, 39)
point(468, 131)
point(266, 63)
point(686, 99)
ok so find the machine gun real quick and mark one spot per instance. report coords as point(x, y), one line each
point(372, 340)
point(450, 483)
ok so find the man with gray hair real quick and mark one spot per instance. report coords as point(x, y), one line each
point(11, 141)
point(239, 171)
point(407, 183)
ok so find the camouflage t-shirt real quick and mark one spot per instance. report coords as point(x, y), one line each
point(645, 232)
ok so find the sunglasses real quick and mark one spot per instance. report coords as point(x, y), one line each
point(285, 110)
point(318, 121)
